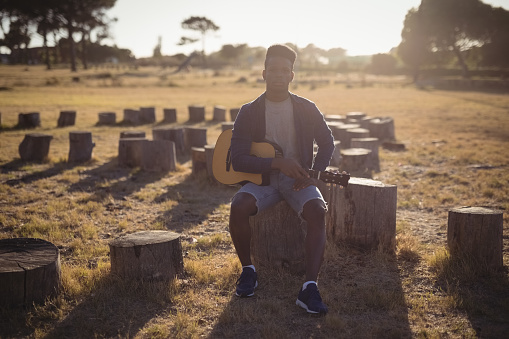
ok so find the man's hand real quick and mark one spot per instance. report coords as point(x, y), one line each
point(290, 168)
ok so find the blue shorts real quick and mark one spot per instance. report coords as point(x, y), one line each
point(280, 188)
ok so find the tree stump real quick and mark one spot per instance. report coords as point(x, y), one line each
point(342, 134)
point(196, 113)
point(278, 239)
point(148, 115)
point(198, 160)
point(29, 120)
point(382, 128)
point(170, 115)
point(336, 155)
point(362, 214)
point(364, 122)
point(195, 137)
point(476, 233)
point(132, 116)
point(130, 151)
point(373, 162)
point(151, 255)
point(29, 271)
point(209, 156)
point(333, 126)
point(158, 155)
point(172, 134)
point(393, 145)
point(35, 147)
point(107, 118)
point(226, 125)
point(355, 115)
point(80, 146)
point(335, 118)
point(132, 134)
point(66, 118)
point(219, 113)
point(233, 113)
point(355, 162)
point(356, 133)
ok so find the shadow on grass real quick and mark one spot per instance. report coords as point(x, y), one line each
point(363, 292)
point(483, 294)
point(17, 164)
point(196, 199)
point(113, 308)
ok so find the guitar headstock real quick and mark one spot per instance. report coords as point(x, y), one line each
point(331, 177)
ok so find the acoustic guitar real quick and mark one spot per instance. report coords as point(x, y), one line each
point(224, 173)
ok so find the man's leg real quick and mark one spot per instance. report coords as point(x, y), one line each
point(242, 207)
point(314, 214)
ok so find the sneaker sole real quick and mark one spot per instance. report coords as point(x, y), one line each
point(247, 295)
point(304, 306)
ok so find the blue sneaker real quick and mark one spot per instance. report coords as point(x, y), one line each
point(246, 283)
point(310, 300)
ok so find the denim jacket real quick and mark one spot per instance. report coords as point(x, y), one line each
point(309, 125)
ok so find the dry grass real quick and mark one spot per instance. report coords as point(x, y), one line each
point(456, 155)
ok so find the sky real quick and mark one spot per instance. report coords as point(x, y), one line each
point(362, 27)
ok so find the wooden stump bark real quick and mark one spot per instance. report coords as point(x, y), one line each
point(196, 113)
point(342, 134)
point(382, 128)
point(335, 118)
point(151, 255)
point(373, 161)
point(107, 118)
point(336, 155)
point(35, 147)
point(148, 115)
point(159, 156)
point(356, 133)
point(170, 115)
point(29, 271)
point(476, 233)
point(132, 116)
point(278, 239)
point(233, 113)
point(66, 118)
point(355, 162)
point(130, 151)
point(172, 134)
point(29, 120)
point(198, 160)
point(209, 156)
point(195, 137)
point(363, 214)
point(132, 134)
point(226, 125)
point(80, 146)
point(219, 113)
point(355, 115)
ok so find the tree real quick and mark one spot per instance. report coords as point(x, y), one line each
point(200, 24)
point(157, 50)
point(446, 26)
point(382, 64)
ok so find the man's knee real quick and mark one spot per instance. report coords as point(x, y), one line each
point(243, 204)
point(314, 210)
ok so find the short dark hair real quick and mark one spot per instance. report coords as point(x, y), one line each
point(283, 51)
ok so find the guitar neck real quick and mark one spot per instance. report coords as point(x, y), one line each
point(330, 177)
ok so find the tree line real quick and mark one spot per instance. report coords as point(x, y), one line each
point(72, 24)
point(439, 34)
point(462, 33)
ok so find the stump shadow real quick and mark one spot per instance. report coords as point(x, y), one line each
point(115, 308)
point(125, 182)
point(195, 199)
point(363, 292)
point(17, 164)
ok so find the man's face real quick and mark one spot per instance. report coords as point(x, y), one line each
point(278, 74)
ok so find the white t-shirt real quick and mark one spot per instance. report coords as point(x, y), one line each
point(280, 128)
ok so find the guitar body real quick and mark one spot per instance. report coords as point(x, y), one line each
point(221, 162)
point(224, 173)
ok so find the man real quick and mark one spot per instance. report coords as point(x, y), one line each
point(294, 124)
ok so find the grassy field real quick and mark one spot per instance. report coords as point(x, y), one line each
point(456, 155)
